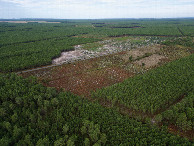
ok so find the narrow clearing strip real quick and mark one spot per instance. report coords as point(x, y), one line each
point(181, 31)
point(133, 113)
point(138, 115)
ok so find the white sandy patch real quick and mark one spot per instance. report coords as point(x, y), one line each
point(66, 56)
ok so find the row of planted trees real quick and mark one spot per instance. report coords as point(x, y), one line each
point(154, 90)
point(182, 113)
point(31, 114)
point(28, 55)
point(29, 45)
point(20, 33)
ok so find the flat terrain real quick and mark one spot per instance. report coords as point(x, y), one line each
point(27, 22)
point(81, 82)
point(109, 64)
point(86, 70)
point(112, 61)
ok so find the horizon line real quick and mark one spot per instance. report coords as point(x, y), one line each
point(102, 18)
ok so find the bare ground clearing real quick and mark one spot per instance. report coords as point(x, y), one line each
point(135, 53)
point(84, 82)
point(65, 56)
point(82, 77)
point(81, 71)
point(177, 131)
point(150, 61)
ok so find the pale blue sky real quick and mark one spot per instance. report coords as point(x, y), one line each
point(92, 9)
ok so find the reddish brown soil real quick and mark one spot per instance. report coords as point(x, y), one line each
point(82, 77)
point(177, 131)
point(83, 82)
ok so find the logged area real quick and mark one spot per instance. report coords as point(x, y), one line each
point(155, 90)
point(97, 82)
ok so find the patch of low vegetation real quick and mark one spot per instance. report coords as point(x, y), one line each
point(92, 46)
point(184, 41)
point(131, 38)
point(127, 82)
point(177, 48)
point(141, 57)
point(146, 93)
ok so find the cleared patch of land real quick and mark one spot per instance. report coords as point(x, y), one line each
point(112, 61)
point(150, 61)
point(84, 70)
point(142, 69)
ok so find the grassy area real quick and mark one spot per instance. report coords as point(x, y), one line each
point(92, 46)
point(131, 38)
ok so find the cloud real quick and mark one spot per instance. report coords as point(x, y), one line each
point(96, 3)
point(19, 2)
point(102, 8)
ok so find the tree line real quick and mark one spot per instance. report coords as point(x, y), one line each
point(154, 90)
point(32, 114)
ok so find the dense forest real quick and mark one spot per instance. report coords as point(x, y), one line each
point(36, 44)
point(150, 106)
point(154, 90)
point(32, 114)
point(28, 55)
point(182, 113)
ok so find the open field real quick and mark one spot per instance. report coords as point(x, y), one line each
point(97, 82)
